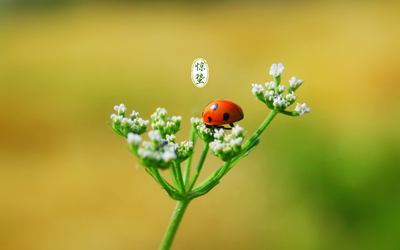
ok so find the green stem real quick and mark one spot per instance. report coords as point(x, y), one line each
point(173, 177)
point(157, 176)
point(179, 211)
point(212, 180)
point(193, 138)
point(222, 171)
point(178, 173)
point(261, 129)
point(199, 166)
point(289, 113)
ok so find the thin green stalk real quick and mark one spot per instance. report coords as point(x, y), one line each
point(179, 178)
point(193, 138)
point(157, 176)
point(199, 166)
point(213, 179)
point(222, 171)
point(260, 129)
point(173, 177)
point(173, 226)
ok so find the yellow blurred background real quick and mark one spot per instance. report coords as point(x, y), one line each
point(327, 180)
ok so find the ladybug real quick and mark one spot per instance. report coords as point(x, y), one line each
point(220, 112)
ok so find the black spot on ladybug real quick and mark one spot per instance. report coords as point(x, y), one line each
point(225, 116)
point(214, 107)
point(209, 119)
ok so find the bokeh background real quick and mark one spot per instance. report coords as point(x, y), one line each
point(327, 180)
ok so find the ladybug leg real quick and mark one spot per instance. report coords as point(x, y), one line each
point(229, 128)
point(214, 126)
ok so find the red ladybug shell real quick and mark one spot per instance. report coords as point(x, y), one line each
point(220, 112)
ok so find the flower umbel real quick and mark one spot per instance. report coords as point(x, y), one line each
point(123, 125)
point(154, 153)
point(274, 96)
point(205, 133)
point(227, 146)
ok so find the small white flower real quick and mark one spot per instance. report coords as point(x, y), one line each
point(170, 138)
point(188, 145)
point(134, 114)
point(176, 118)
point(218, 134)
point(141, 122)
point(144, 153)
point(270, 85)
point(302, 109)
point(236, 142)
point(120, 109)
point(203, 129)
point(281, 88)
point(158, 124)
point(237, 130)
point(294, 83)
point(184, 149)
point(174, 146)
point(134, 139)
point(155, 135)
point(161, 111)
point(278, 101)
point(195, 120)
point(269, 95)
point(116, 118)
point(168, 154)
point(135, 128)
point(227, 138)
point(276, 70)
point(127, 121)
point(216, 146)
point(291, 97)
point(257, 89)
point(227, 149)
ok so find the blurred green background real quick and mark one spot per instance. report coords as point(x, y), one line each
point(327, 180)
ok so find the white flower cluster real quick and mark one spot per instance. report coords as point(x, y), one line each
point(184, 150)
point(273, 93)
point(166, 125)
point(202, 130)
point(227, 146)
point(124, 125)
point(154, 153)
point(159, 152)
